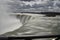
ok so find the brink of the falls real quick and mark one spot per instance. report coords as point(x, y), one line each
point(35, 25)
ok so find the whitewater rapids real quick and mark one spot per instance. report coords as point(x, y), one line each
point(29, 25)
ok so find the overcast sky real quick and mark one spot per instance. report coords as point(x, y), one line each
point(29, 5)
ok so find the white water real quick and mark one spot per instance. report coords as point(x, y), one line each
point(7, 22)
point(37, 25)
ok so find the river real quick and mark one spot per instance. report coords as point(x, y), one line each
point(30, 25)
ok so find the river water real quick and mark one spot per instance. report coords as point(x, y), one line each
point(31, 25)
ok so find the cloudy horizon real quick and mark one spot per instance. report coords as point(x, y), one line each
point(17, 6)
point(33, 5)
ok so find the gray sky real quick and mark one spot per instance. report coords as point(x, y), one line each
point(33, 5)
point(29, 5)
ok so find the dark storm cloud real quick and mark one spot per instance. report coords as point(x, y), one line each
point(26, 0)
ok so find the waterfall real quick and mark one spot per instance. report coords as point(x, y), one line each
point(31, 25)
point(23, 18)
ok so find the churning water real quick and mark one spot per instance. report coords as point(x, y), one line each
point(36, 25)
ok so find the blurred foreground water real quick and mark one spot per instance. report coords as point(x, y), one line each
point(36, 25)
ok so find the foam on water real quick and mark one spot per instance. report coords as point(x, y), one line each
point(36, 25)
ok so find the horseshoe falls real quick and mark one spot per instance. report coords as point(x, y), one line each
point(36, 25)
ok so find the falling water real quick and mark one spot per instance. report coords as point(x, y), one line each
point(36, 25)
